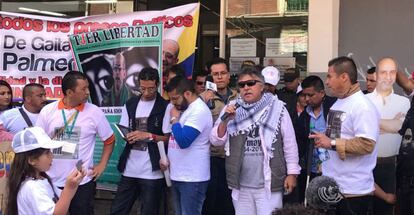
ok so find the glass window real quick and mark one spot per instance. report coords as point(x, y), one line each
point(280, 30)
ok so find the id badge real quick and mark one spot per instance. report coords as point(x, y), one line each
point(70, 148)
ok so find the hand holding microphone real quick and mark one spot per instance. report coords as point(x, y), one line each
point(230, 112)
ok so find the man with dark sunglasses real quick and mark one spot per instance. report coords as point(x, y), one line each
point(200, 82)
point(218, 199)
point(261, 150)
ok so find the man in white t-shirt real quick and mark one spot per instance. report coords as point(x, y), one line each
point(392, 108)
point(139, 161)
point(188, 147)
point(19, 118)
point(77, 123)
point(351, 135)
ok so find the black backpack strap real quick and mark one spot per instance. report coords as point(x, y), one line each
point(25, 117)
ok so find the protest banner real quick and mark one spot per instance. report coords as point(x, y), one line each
point(36, 49)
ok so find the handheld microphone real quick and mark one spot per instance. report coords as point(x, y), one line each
point(323, 192)
point(210, 85)
point(226, 115)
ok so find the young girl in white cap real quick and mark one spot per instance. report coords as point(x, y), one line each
point(30, 190)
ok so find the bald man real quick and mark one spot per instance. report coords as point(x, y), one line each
point(392, 108)
point(170, 50)
point(119, 93)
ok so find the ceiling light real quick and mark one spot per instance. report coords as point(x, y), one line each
point(41, 11)
point(101, 1)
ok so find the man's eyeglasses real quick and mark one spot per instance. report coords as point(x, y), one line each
point(249, 83)
point(149, 89)
point(217, 74)
point(200, 82)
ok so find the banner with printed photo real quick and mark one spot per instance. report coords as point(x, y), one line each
point(103, 56)
point(35, 49)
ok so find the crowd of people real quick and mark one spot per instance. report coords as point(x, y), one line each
point(248, 150)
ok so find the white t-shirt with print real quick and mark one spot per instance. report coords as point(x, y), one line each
point(356, 117)
point(139, 164)
point(389, 143)
point(166, 125)
point(89, 123)
point(35, 197)
point(193, 163)
point(13, 121)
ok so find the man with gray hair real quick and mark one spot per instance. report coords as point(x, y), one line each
point(392, 108)
point(170, 50)
point(265, 164)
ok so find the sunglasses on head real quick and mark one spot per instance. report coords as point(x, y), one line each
point(249, 83)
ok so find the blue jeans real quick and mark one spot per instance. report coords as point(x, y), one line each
point(189, 197)
point(149, 191)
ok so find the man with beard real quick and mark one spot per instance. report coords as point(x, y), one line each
point(120, 91)
point(261, 150)
point(17, 119)
point(76, 122)
point(392, 108)
point(190, 122)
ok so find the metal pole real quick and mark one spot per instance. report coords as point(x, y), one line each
point(222, 38)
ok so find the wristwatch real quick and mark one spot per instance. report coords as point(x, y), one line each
point(333, 144)
point(172, 119)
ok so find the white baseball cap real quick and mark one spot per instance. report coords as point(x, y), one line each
point(33, 138)
point(271, 75)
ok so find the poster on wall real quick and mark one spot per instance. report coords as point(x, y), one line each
point(274, 48)
point(35, 49)
point(244, 47)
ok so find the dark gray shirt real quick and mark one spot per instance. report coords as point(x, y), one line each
point(252, 175)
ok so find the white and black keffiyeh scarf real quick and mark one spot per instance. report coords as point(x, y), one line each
point(266, 113)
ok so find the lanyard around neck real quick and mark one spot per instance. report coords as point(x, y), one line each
point(72, 119)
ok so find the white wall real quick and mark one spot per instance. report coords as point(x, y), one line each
point(323, 34)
